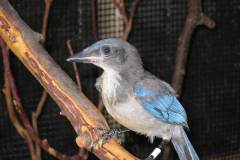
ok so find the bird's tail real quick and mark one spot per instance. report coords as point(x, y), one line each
point(182, 145)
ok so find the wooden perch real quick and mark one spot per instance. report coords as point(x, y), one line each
point(82, 114)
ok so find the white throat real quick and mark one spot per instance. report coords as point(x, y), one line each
point(111, 80)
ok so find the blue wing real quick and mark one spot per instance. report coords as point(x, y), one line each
point(158, 100)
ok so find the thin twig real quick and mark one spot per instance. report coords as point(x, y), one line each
point(35, 116)
point(48, 4)
point(128, 29)
point(22, 114)
point(128, 21)
point(129, 25)
point(40, 104)
point(21, 131)
point(75, 68)
point(119, 4)
point(12, 116)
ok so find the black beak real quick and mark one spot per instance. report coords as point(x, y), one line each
point(81, 57)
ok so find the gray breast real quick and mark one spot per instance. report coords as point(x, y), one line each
point(133, 116)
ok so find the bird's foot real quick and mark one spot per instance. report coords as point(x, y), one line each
point(107, 135)
point(157, 150)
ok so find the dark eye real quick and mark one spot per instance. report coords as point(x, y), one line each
point(106, 50)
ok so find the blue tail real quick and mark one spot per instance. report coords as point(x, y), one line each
point(182, 145)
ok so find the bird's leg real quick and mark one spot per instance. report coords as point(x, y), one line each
point(108, 134)
point(157, 150)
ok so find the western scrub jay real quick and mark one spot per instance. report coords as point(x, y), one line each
point(134, 97)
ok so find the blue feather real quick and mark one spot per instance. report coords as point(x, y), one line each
point(164, 107)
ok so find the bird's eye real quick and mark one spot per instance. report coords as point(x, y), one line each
point(106, 50)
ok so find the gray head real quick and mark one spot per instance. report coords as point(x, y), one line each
point(113, 53)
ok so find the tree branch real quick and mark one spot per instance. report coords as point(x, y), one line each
point(82, 114)
point(29, 131)
point(48, 4)
point(128, 21)
point(195, 18)
point(35, 116)
point(10, 109)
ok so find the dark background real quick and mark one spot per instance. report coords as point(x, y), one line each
point(211, 91)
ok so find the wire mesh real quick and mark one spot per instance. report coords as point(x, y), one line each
point(110, 21)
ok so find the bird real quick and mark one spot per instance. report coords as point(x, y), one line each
point(136, 98)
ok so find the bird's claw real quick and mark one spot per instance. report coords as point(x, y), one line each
point(107, 135)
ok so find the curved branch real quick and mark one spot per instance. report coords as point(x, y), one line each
point(82, 114)
point(195, 18)
point(12, 116)
point(22, 114)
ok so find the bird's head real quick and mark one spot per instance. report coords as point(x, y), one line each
point(113, 53)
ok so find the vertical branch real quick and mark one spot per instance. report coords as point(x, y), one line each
point(75, 68)
point(194, 18)
point(35, 116)
point(120, 5)
point(129, 25)
point(48, 4)
point(128, 21)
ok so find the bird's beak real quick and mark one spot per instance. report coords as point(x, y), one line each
point(85, 57)
point(79, 57)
